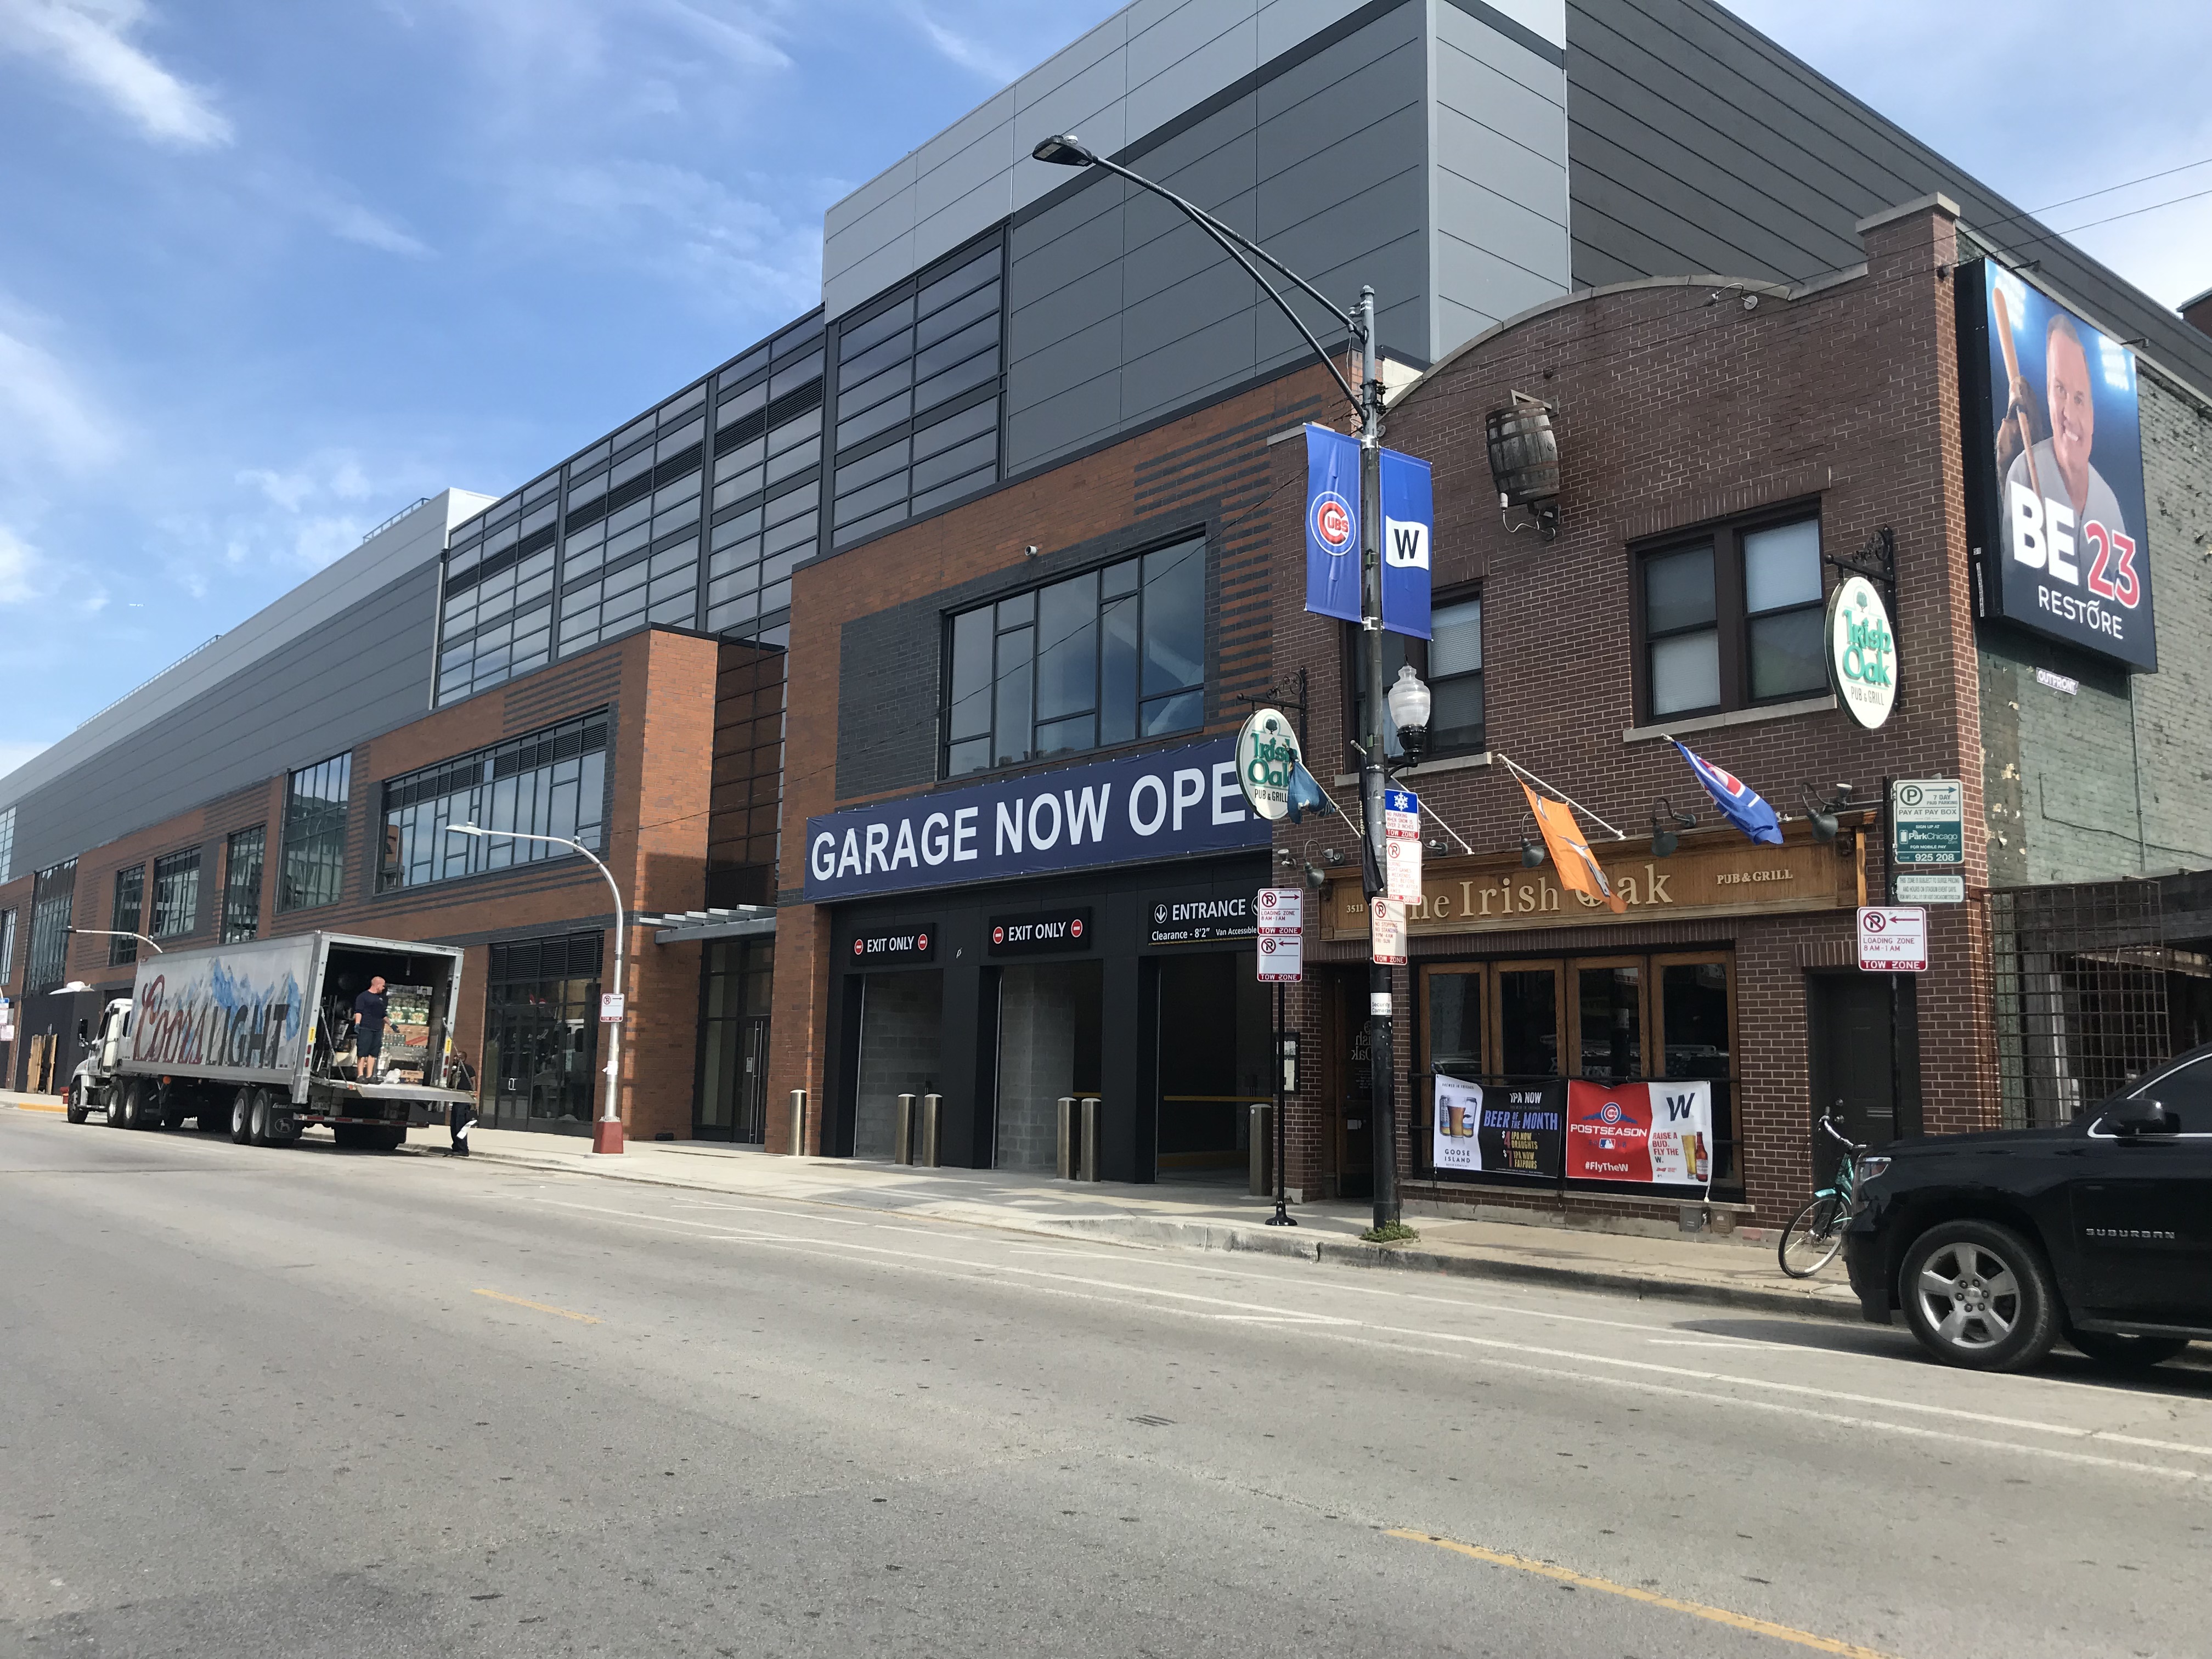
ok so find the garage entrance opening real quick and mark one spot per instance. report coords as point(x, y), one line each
point(1214, 1022)
point(1048, 1046)
point(902, 1018)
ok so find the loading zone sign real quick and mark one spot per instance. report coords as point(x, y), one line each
point(1893, 938)
point(1928, 821)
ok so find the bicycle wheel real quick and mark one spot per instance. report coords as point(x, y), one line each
point(1814, 1235)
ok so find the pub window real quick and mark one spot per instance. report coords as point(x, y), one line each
point(313, 870)
point(1450, 661)
point(176, 894)
point(241, 883)
point(1730, 618)
point(129, 899)
point(1101, 658)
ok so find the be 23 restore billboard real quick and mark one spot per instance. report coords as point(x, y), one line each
point(2054, 465)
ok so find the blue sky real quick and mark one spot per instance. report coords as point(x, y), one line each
point(270, 272)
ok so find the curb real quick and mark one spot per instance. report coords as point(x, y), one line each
point(1213, 1236)
point(1325, 1249)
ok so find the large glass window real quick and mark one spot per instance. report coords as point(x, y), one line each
point(314, 871)
point(176, 894)
point(1732, 619)
point(541, 1032)
point(1100, 659)
point(7, 947)
point(123, 919)
point(918, 397)
point(1450, 661)
point(7, 846)
point(552, 783)
point(54, 904)
point(241, 883)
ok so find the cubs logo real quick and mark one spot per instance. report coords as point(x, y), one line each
point(1330, 520)
point(1611, 1112)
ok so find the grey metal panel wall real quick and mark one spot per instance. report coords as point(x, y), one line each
point(1119, 310)
point(343, 681)
point(1697, 144)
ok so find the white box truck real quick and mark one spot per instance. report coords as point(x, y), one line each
point(258, 1038)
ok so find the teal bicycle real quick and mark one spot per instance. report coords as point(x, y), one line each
point(1815, 1233)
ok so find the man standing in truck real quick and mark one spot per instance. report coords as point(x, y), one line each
point(368, 1029)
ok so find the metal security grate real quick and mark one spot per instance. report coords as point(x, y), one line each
point(2079, 977)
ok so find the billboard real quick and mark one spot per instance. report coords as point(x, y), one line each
point(2054, 468)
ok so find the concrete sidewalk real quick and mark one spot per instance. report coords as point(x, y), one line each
point(1713, 1271)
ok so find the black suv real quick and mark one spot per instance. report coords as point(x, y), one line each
point(1995, 1245)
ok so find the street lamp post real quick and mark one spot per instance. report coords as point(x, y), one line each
point(1064, 151)
point(607, 1133)
point(118, 932)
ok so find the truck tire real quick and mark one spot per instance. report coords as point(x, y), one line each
point(241, 1116)
point(78, 1109)
point(1977, 1295)
point(132, 1095)
point(347, 1135)
point(388, 1137)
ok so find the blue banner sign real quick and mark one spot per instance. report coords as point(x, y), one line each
point(1332, 524)
point(1132, 809)
point(1408, 520)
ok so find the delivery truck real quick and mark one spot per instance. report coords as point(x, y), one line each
point(258, 1038)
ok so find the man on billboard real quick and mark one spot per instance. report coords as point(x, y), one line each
point(2057, 469)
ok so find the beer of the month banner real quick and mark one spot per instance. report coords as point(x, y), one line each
point(1640, 1133)
point(1495, 1130)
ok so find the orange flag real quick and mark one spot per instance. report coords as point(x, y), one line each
point(1571, 854)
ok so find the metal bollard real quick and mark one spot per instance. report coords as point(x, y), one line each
point(1262, 1182)
point(930, 1107)
point(1070, 1147)
point(902, 1132)
point(1091, 1139)
point(797, 1122)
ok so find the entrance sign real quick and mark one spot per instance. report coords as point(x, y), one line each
point(1496, 1130)
point(1401, 846)
point(1861, 652)
point(1928, 890)
point(1198, 917)
point(610, 1007)
point(1640, 1132)
point(1893, 939)
point(1408, 522)
point(1267, 754)
point(2054, 441)
point(1282, 917)
point(1386, 925)
point(1169, 803)
point(1332, 524)
point(1928, 821)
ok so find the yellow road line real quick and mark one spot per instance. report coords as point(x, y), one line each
point(1696, 1609)
point(520, 1302)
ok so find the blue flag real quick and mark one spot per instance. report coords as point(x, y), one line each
point(1409, 515)
point(1332, 524)
point(1740, 804)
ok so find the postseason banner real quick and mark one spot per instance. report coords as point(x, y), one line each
point(2055, 442)
point(1496, 1131)
point(1640, 1133)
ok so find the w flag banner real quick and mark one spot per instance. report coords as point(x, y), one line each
point(1408, 517)
point(1571, 854)
point(1740, 804)
point(1656, 1133)
point(1332, 526)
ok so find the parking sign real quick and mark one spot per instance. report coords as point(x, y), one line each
point(1893, 938)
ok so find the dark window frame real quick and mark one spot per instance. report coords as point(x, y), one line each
point(241, 910)
point(308, 847)
point(1402, 647)
point(127, 912)
point(173, 886)
point(1731, 616)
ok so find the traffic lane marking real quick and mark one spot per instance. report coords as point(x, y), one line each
point(1803, 1638)
point(541, 1307)
point(1332, 1327)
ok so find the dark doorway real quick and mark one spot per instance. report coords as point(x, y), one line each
point(1351, 1087)
point(1857, 1057)
point(737, 980)
point(1214, 1019)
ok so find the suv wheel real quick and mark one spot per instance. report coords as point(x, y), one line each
point(1977, 1295)
point(2127, 1352)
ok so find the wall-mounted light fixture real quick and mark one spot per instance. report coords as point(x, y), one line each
point(1666, 825)
point(1531, 846)
point(1822, 814)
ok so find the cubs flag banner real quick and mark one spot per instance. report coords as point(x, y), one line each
point(1642, 1134)
point(1408, 516)
point(1571, 854)
point(1739, 803)
point(1333, 524)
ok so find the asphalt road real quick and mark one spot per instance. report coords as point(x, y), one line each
point(305, 1402)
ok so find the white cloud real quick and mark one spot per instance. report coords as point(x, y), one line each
point(967, 52)
point(352, 222)
point(46, 418)
point(84, 41)
point(19, 568)
point(733, 32)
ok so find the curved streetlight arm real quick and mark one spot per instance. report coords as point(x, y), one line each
point(118, 932)
point(1237, 247)
point(612, 1113)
